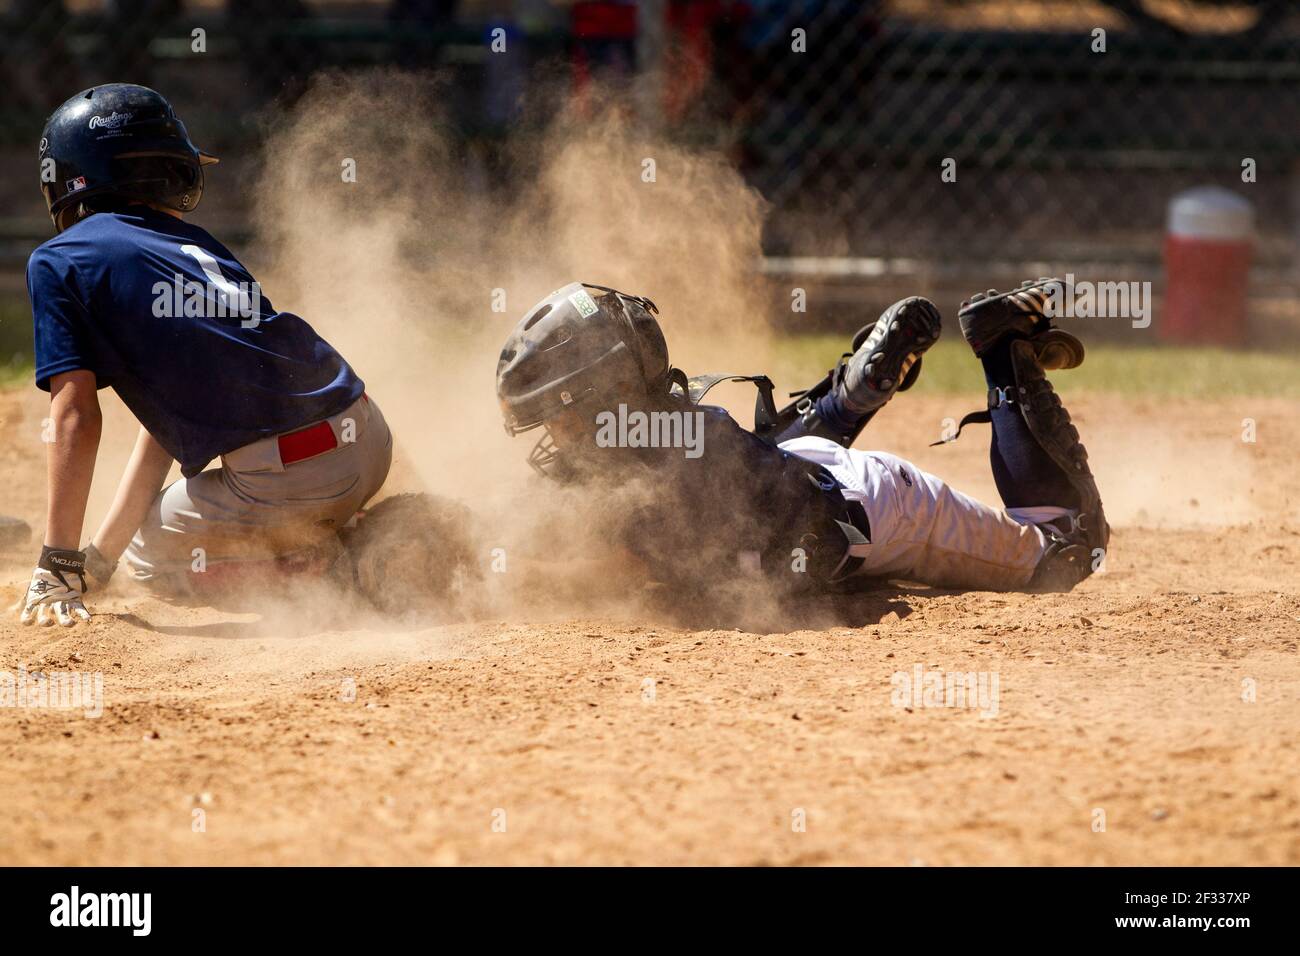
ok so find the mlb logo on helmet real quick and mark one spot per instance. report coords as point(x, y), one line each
point(75, 184)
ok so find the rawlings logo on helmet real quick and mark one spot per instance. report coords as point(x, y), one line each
point(112, 121)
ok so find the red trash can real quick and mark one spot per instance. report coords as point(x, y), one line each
point(1208, 247)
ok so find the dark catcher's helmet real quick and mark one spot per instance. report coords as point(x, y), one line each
point(117, 142)
point(580, 351)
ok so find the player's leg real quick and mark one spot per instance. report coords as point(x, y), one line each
point(254, 514)
point(923, 530)
point(198, 532)
point(886, 358)
point(1039, 465)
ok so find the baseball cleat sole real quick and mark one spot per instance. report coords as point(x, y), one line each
point(894, 345)
point(988, 317)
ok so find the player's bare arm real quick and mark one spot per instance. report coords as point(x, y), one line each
point(72, 432)
point(145, 474)
point(75, 425)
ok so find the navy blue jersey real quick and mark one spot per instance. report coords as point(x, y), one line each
point(169, 318)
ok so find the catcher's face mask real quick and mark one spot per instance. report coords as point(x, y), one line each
point(571, 432)
point(570, 355)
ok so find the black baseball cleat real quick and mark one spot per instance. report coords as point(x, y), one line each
point(988, 317)
point(887, 355)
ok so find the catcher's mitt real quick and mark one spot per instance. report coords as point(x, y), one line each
point(414, 553)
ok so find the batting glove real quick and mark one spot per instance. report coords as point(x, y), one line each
point(55, 593)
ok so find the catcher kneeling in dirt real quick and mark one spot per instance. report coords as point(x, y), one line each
point(590, 365)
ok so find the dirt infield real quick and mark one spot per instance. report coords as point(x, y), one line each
point(1159, 700)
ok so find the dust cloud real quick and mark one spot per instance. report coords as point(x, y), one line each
point(377, 226)
point(401, 269)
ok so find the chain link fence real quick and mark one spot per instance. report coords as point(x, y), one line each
point(1064, 128)
point(944, 130)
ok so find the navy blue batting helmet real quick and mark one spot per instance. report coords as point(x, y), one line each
point(117, 142)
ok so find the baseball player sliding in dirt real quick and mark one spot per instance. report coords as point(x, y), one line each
point(129, 295)
point(590, 365)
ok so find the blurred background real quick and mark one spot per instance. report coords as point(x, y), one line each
point(1071, 126)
